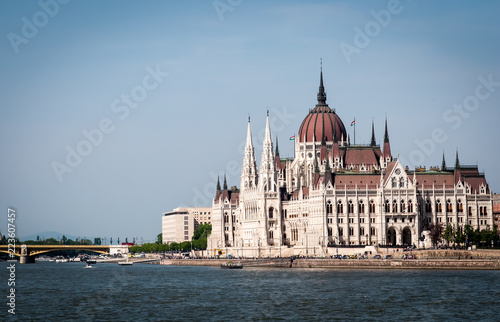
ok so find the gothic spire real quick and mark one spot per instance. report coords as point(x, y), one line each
point(277, 149)
point(225, 182)
point(316, 167)
point(373, 143)
point(218, 184)
point(321, 91)
point(443, 165)
point(386, 135)
point(457, 162)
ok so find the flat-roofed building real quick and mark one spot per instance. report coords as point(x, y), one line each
point(179, 224)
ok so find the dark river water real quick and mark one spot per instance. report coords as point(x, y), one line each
point(62, 291)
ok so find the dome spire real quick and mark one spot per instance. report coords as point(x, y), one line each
point(321, 91)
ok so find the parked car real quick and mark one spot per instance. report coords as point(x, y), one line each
point(377, 257)
point(388, 256)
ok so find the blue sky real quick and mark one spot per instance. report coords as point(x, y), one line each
point(216, 62)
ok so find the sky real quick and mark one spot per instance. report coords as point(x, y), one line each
point(113, 112)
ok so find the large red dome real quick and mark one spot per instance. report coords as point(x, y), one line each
point(322, 121)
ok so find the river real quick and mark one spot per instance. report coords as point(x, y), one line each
point(108, 292)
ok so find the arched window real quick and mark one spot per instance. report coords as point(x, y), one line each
point(271, 210)
point(372, 206)
point(351, 207)
point(387, 206)
point(373, 231)
point(329, 207)
point(439, 207)
point(460, 206)
point(428, 207)
point(394, 183)
point(410, 206)
point(340, 207)
point(361, 207)
point(341, 231)
point(394, 206)
point(402, 206)
point(361, 231)
point(401, 182)
point(449, 206)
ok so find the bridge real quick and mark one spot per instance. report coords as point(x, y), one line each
point(27, 253)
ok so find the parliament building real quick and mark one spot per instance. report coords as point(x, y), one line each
point(334, 193)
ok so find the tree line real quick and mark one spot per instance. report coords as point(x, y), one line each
point(466, 236)
point(199, 242)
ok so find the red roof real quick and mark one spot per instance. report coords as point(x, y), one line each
point(321, 122)
point(496, 209)
point(360, 156)
point(350, 181)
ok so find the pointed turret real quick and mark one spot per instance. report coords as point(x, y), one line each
point(267, 162)
point(321, 91)
point(373, 143)
point(277, 149)
point(443, 164)
point(249, 176)
point(457, 162)
point(387, 146)
point(316, 167)
point(217, 190)
point(322, 152)
point(225, 183)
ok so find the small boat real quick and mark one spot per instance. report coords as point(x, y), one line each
point(231, 266)
point(88, 266)
point(91, 261)
point(127, 263)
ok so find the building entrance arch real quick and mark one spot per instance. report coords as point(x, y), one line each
point(407, 236)
point(391, 236)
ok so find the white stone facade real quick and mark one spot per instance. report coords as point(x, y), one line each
point(334, 193)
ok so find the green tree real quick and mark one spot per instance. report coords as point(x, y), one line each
point(435, 232)
point(159, 238)
point(64, 240)
point(200, 236)
point(449, 234)
point(97, 241)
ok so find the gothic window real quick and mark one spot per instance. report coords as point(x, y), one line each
point(439, 207)
point(341, 231)
point(394, 183)
point(402, 206)
point(428, 207)
point(340, 207)
point(401, 182)
point(469, 211)
point(372, 206)
point(373, 232)
point(482, 189)
point(361, 231)
point(410, 206)
point(271, 234)
point(351, 231)
point(351, 207)
point(329, 231)
point(449, 206)
point(329, 207)
point(387, 206)
point(361, 207)
point(271, 210)
point(460, 206)
point(394, 206)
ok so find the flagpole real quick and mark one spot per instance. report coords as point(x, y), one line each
point(354, 131)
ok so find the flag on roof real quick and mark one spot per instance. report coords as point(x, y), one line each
point(353, 122)
point(292, 138)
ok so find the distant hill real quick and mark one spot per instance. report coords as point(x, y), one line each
point(52, 234)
